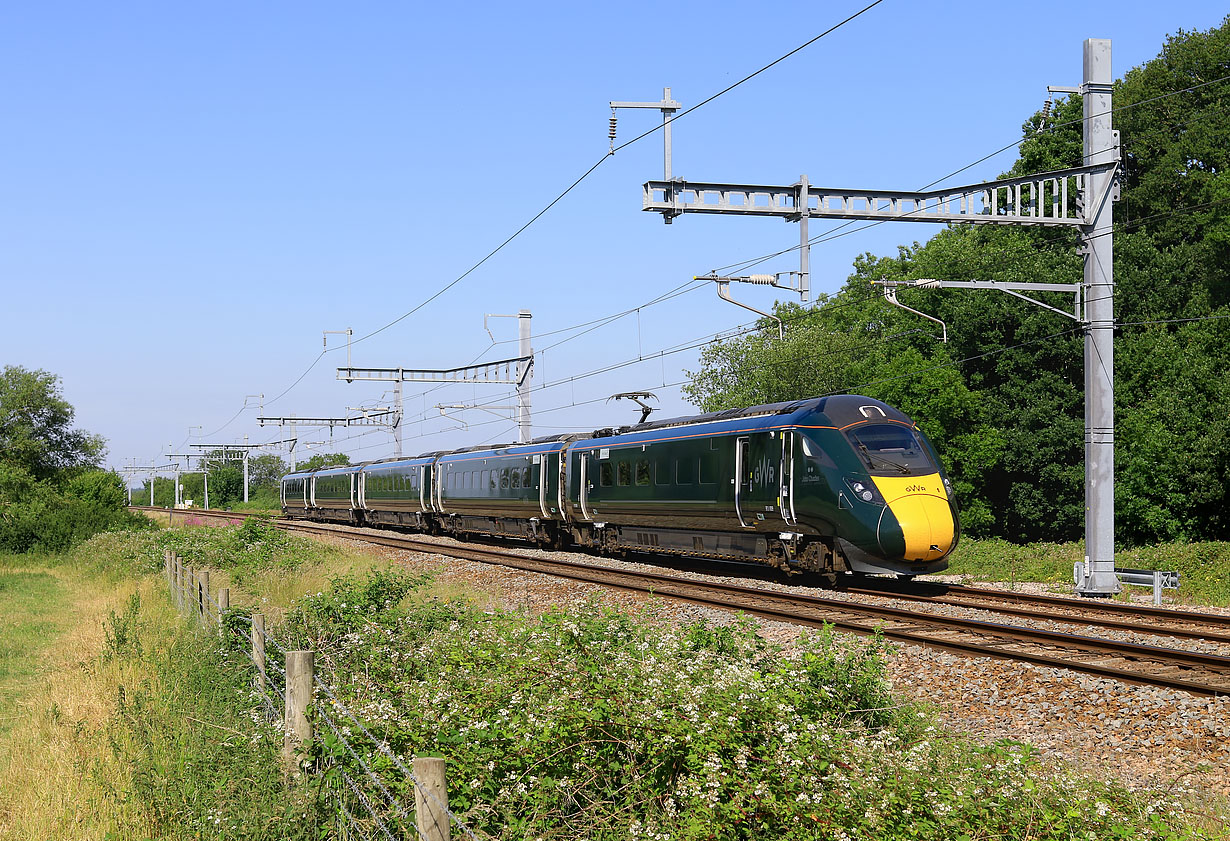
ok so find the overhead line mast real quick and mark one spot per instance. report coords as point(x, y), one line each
point(1081, 198)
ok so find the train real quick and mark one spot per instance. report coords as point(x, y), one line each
point(826, 485)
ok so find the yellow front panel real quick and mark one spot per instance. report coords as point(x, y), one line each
point(921, 507)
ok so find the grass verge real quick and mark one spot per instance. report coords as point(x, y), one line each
point(1204, 568)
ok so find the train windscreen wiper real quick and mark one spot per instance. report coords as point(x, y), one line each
point(900, 468)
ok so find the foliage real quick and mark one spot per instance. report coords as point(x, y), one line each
point(51, 494)
point(1201, 566)
point(266, 471)
point(201, 759)
point(241, 551)
point(38, 516)
point(1003, 399)
point(36, 433)
point(322, 460)
point(585, 723)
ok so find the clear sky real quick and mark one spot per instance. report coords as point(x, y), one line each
point(190, 194)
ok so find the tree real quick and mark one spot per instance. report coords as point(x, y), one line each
point(36, 431)
point(323, 460)
point(1004, 397)
point(266, 471)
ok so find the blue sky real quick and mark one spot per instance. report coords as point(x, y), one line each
point(190, 196)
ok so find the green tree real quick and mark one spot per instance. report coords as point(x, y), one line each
point(266, 471)
point(1004, 397)
point(36, 431)
point(323, 460)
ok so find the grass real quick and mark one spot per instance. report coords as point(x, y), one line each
point(1204, 568)
point(120, 720)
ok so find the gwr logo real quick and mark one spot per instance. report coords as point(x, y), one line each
point(764, 472)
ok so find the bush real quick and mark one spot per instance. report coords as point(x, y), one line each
point(587, 723)
point(36, 516)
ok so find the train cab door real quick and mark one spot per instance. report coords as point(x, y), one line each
point(785, 494)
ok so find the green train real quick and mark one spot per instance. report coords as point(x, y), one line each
point(825, 485)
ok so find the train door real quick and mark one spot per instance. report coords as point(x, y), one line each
point(543, 462)
point(583, 494)
point(362, 480)
point(758, 467)
point(785, 495)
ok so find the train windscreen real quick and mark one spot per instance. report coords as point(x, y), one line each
point(890, 448)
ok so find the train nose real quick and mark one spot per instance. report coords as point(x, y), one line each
point(923, 518)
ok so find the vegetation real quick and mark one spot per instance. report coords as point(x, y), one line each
point(579, 722)
point(52, 492)
point(1003, 398)
point(1201, 566)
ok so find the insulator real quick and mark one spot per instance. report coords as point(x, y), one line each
point(611, 131)
point(927, 283)
point(762, 279)
point(1046, 113)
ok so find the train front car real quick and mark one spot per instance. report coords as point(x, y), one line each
point(871, 472)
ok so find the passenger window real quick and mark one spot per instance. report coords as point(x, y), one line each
point(685, 470)
point(642, 472)
point(625, 473)
point(662, 472)
point(708, 470)
point(516, 479)
point(525, 478)
point(504, 479)
point(606, 474)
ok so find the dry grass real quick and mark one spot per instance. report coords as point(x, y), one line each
point(55, 769)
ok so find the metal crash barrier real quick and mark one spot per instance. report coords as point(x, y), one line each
point(1157, 579)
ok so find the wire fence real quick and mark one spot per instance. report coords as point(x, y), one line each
point(366, 807)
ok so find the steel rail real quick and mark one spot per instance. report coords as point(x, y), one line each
point(1088, 617)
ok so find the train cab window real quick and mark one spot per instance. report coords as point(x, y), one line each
point(890, 448)
point(642, 472)
point(662, 472)
point(624, 471)
point(685, 471)
point(516, 479)
point(606, 474)
point(504, 479)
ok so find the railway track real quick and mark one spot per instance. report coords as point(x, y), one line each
point(1195, 672)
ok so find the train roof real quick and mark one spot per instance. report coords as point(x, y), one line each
point(840, 409)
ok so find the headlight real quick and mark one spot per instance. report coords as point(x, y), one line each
point(864, 490)
point(948, 488)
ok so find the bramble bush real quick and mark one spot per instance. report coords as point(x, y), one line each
point(588, 723)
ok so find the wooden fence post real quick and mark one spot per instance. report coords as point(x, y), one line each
point(224, 604)
point(189, 590)
point(258, 650)
point(203, 610)
point(431, 799)
point(177, 575)
point(300, 674)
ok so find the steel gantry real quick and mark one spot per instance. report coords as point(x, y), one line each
point(366, 417)
point(518, 371)
point(1081, 198)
